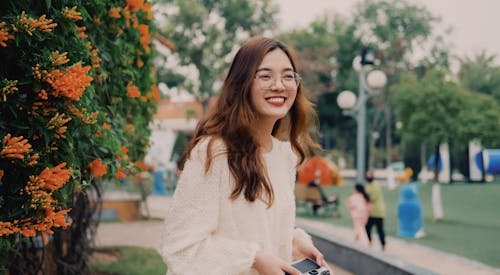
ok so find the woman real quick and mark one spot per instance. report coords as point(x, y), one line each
point(233, 211)
point(359, 206)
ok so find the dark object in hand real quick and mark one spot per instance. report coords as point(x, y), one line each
point(308, 266)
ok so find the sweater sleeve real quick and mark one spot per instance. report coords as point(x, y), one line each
point(190, 245)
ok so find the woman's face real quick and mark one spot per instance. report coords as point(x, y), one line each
point(274, 88)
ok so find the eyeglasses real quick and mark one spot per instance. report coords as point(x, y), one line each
point(267, 79)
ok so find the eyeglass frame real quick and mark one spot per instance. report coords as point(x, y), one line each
point(274, 77)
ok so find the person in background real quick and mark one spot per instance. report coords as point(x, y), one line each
point(233, 211)
point(377, 213)
point(359, 206)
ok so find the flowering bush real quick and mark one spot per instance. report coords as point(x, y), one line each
point(76, 97)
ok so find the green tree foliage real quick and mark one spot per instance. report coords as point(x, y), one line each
point(433, 110)
point(206, 35)
point(428, 107)
point(480, 74)
point(394, 29)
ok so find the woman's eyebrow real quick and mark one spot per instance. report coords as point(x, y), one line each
point(269, 70)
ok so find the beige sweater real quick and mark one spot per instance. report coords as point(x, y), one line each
point(207, 233)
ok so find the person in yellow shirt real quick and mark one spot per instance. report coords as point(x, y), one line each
point(377, 213)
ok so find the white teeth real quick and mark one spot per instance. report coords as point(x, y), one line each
point(276, 99)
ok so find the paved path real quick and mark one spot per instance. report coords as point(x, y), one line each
point(148, 234)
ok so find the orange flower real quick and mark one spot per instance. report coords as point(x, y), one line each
point(114, 12)
point(156, 94)
point(97, 20)
point(29, 24)
point(60, 218)
point(124, 150)
point(58, 59)
point(4, 35)
point(97, 168)
point(28, 232)
point(71, 83)
point(81, 32)
point(43, 94)
point(129, 127)
point(132, 90)
point(120, 174)
point(135, 5)
point(32, 160)
point(142, 165)
point(57, 123)
point(106, 126)
point(9, 87)
point(147, 9)
point(57, 219)
point(96, 60)
point(144, 32)
point(14, 147)
point(72, 13)
point(50, 178)
point(90, 118)
point(139, 63)
point(7, 228)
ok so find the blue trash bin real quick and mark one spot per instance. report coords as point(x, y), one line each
point(409, 212)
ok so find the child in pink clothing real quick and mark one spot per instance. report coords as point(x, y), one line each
point(359, 206)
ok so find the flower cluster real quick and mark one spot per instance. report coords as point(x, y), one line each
point(4, 34)
point(66, 116)
point(70, 83)
point(97, 168)
point(57, 124)
point(72, 13)
point(29, 24)
point(132, 90)
point(40, 189)
point(14, 147)
point(9, 87)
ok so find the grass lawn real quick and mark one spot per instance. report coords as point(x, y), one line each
point(471, 227)
point(126, 260)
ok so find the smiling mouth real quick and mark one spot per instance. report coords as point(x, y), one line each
point(276, 99)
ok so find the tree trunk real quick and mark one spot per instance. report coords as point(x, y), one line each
point(437, 203)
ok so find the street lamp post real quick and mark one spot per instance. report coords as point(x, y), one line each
point(357, 107)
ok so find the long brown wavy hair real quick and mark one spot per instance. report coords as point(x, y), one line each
point(233, 120)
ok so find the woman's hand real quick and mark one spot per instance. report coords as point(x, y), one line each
point(305, 249)
point(267, 264)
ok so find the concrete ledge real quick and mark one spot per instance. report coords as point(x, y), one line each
point(359, 259)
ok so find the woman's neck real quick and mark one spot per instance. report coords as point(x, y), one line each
point(264, 130)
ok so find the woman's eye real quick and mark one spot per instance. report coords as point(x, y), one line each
point(288, 77)
point(265, 77)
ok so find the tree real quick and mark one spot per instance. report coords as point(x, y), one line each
point(395, 29)
point(479, 74)
point(433, 110)
point(207, 33)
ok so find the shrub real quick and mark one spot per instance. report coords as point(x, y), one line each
point(76, 97)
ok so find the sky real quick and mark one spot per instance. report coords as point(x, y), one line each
point(475, 23)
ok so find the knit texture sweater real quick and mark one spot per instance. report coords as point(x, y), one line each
point(206, 232)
